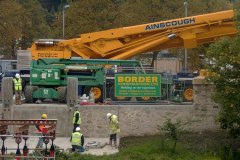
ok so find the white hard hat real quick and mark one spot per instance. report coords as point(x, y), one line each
point(17, 75)
point(78, 129)
point(109, 115)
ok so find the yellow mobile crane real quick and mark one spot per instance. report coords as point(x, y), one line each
point(126, 42)
point(54, 60)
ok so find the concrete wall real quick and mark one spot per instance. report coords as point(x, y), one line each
point(134, 120)
point(24, 58)
point(6, 65)
point(34, 111)
point(174, 65)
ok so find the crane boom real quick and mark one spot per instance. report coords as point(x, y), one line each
point(126, 42)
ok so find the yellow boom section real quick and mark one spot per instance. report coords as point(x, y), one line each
point(126, 42)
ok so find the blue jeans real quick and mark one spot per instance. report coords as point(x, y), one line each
point(77, 148)
point(40, 141)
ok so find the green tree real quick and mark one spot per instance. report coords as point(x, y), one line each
point(33, 23)
point(173, 131)
point(86, 16)
point(10, 28)
point(21, 22)
point(225, 62)
point(95, 15)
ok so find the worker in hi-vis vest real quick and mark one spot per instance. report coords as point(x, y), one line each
point(17, 81)
point(77, 140)
point(113, 129)
point(76, 120)
point(39, 132)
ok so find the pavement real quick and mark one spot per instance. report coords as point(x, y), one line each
point(63, 143)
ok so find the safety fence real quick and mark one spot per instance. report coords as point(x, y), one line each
point(137, 85)
point(146, 85)
point(22, 134)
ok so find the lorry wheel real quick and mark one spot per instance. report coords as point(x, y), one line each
point(97, 91)
point(28, 93)
point(188, 94)
point(62, 94)
point(144, 99)
point(119, 98)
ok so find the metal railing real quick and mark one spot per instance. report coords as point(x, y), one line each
point(172, 90)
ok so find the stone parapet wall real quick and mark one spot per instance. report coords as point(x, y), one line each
point(203, 92)
point(134, 120)
point(206, 109)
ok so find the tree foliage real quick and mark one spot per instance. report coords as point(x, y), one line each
point(95, 15)
point(9, 26)
point(224, 56)
point(20, 23)
point(172, 130)
point(23, 21)
point(33, 23)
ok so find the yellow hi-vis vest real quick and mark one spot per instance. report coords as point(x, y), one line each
point(74, 117)
point(17, 84)
point(114, 125)
point(76, 139)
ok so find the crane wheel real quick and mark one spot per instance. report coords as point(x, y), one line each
point(97, 91)
point(28, 92)
point(119, 98)
point(188, 94)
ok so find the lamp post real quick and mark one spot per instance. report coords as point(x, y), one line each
point(185, 53)
point(63, 23)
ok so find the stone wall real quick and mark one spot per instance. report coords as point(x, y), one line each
point(205, 109)
point(134, 120)
point(203, 92)
point(34, 111)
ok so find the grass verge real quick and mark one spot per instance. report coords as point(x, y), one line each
point(191, 146)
